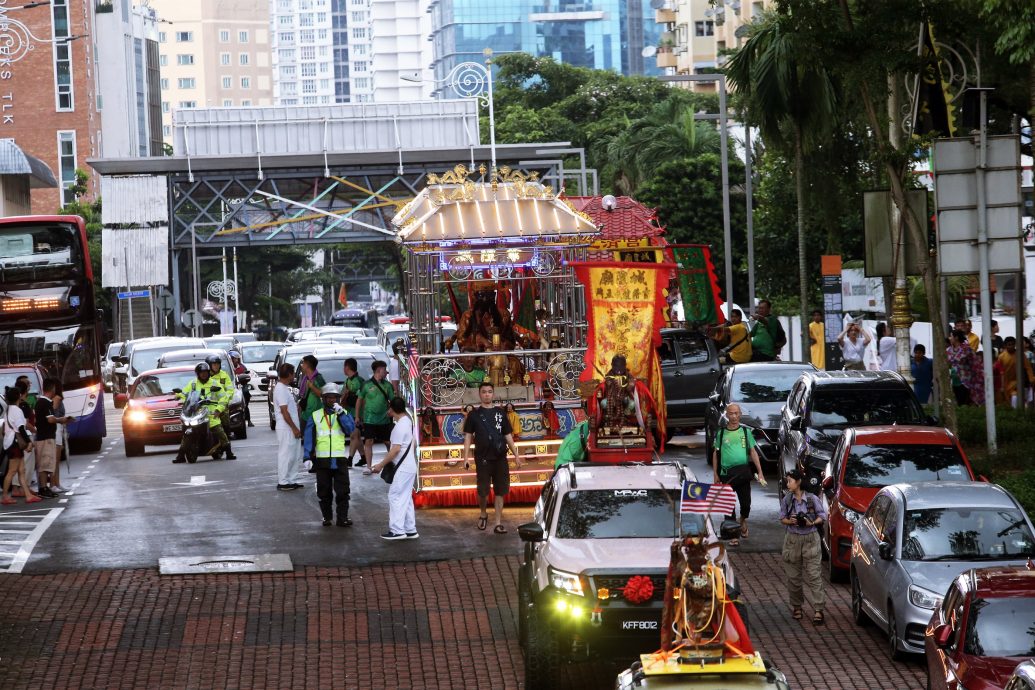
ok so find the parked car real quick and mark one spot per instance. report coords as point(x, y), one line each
point(142, 355)
point(9, 375)
point(866, 459)
point(178, 358)
point(258, 357)
point(982, 636)
point(593, 528)
point(822, 404)
point(690, 368)
point(761, 389)
point(916, 538)
point(243, 337)
point(332, 364)
point(152, 416)
point(108, 364)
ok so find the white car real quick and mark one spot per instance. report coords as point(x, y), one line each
point(258, 357)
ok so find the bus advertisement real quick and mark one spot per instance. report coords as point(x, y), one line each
point(49, 325)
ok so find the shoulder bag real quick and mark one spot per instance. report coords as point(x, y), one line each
point(389, 470)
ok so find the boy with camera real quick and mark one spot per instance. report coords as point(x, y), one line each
point(802, 513)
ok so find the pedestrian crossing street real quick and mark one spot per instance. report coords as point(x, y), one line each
point(19, 532)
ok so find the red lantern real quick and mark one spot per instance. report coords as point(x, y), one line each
point(638, 589)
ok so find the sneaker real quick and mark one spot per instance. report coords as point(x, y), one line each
point(46, 493)
point(177, 461)
point(58, 489)
point(412, 535)
point(287, 487)
point(326, 522)
point(344, 522)
point(392, 536)
point(361, 463)
point(297, 486)
point(230, 455)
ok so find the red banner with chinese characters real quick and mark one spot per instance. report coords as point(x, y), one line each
point(625, 310)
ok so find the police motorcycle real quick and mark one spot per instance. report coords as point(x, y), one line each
point(195, 416)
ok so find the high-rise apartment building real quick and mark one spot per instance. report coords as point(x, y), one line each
point(601, 34)
point(360, 35)
point(310, 63)
point(400, 48)
point(696, 33)
point(213, 53)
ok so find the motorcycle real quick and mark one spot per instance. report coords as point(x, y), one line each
point(195, 416)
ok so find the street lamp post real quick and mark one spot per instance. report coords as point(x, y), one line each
point(470, 80)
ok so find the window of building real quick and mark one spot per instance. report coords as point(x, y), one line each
point(289, 101)
point(243, 59)
point(704, 28)
point(162, 37)
point(321, 34)
point(166, 130)
point(224, 59)
point(163, 60)
point(62, 57)
point(284, 5)
point(362, 82)
point(309, 69)
point(359, 33)
point(285, 21)
point(308, 86)
point(286, 55)
point(246, 103)
point(242, 37)
point(184, 59)
point(188, 104)
point(289, 88)
point(164, 84)
point(325, 84)
point(286, 38)
point(308, 53)
point(228, 82)
point(306, 36)
point(325, 51)
point(359, 17)
point(324, 68)
point(186, 83)
point(305, 19)
point(321, 18)
point(325, 99)
point(228, 102)
point(359, 49)
point(757, 8)
point(184, 36)
point(287, 72)
point(246, 83)
point(359, 66)
point(224, 36)
point(309, 100)
point(305, 4)
point(165, 106)
point(359, 3)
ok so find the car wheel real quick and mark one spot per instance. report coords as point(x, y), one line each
point(836, 574)
point(134, 448)
point(241, 433)
point(858, 614)
point(894, 652)
point(541, 656)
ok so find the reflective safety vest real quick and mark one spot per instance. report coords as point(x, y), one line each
point(331, 439)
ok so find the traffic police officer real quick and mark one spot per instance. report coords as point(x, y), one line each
point(226, 384)
point(203, 384)
point(326, 442)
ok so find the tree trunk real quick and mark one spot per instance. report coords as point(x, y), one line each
point(803, 271)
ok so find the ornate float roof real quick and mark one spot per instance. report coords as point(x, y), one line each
point(628, 220)
point(512, 204)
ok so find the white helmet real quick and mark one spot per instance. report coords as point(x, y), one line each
point(330, 389)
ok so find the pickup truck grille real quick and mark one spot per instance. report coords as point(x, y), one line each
point(616, 583)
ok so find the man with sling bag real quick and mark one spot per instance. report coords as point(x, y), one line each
point(736, 449)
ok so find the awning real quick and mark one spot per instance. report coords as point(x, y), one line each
point(14, 161)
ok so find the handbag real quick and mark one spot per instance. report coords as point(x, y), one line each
point(389, 470)
point(22, 443)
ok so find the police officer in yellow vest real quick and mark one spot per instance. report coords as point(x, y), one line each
point(226, 384)
point(326, 444)
point(204, 384)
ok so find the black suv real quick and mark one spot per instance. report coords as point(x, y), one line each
point(822, 404)
point(689, 369)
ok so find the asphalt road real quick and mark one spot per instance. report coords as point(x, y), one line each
point(130, 512)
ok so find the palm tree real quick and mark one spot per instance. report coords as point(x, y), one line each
point(787, 90)
point(668, 132)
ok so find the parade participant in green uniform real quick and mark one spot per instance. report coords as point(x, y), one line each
point(226, 384)
point(203, 384)
point(353, 385)
point(372, 412)
point(325, 443)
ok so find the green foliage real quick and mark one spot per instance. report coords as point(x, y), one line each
point(1012, 426)
point(1022, 486)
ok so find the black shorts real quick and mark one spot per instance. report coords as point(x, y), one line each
point(378, 433)
point(495, 472)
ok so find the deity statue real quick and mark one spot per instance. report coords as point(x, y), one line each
point(622, 405)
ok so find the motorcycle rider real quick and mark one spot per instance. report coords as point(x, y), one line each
point(326, 441)
point(246, 392)
point(203, 384)
point(226, 385)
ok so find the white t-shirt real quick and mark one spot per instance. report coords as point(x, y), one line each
point(393, 369)
point(853, 352)
point(888, 356)
point(282, 396)
point(15, 419)
point(402, 436)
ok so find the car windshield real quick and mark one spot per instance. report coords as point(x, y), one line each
point(623, 514)
point(759, 386)
point(9, 377)
point(113, 350)
point(851, 407)
point(181, 359)
point(966, 534)
point(872, 467)
point(162, 383)
point(1001, 627)
point(146, 359)
point(220, 343)
point(259, 353)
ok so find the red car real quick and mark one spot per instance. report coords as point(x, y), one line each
point(866, 459)
point(984, 627)
point(152, 415)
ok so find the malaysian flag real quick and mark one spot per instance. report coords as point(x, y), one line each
point(707, 498)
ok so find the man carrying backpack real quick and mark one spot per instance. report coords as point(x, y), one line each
point(767, 336)
point(734, 454)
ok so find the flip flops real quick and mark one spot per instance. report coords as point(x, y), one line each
point(818, 618)
point(499, 529)
point(796, 614)
point(483, 522)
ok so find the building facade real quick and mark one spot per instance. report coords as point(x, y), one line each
point(400, 52)
point(599, 34)
point(696, 33)
point(310, 59)
point(213, 53)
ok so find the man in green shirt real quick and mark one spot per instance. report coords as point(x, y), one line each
point(372, 412)
point(350, 396)
point(734, 454)
point(767, 336)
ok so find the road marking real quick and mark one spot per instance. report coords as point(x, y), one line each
point(198, 480)
point(63, 500)
point(21, 557)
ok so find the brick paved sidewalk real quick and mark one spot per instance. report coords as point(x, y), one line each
point(417, 625)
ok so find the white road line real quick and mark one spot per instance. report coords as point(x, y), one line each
point(22, 557)
point(70, 493)
point(63, 500)
point(15, 531)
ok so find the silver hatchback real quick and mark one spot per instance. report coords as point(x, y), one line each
point(916, 538)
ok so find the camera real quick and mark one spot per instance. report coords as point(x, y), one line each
point(805, 519)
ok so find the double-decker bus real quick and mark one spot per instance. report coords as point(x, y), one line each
point(49, 325)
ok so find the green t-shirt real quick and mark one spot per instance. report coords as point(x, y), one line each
point(762, 338)
point(310, 401)
point(375, 402)
point(734, 447)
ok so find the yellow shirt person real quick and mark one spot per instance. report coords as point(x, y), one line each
point(735, 333)
point(817, 336)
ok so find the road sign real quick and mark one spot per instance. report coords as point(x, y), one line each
point(191, 318)
point(134, 294)
point(165, 301)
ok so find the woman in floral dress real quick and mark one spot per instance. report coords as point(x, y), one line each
point(967, 365)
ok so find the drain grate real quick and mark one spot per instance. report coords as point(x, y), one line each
point(207, 565)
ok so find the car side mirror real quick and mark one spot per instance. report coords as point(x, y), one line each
point(886, 550)
point(729, 529)
point(531, 532)
point(177, 390)
point(828, 483)
point(121, 399)
point(932, 420)
point(942, 634)
point(796, 423)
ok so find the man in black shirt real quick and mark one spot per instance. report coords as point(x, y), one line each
point(46, 432)
point(488, 427)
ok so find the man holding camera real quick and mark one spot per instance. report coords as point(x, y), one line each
point(802, 513)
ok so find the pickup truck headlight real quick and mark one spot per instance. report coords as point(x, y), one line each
point(570, 583)
point(923, 598)
point(849, 514)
